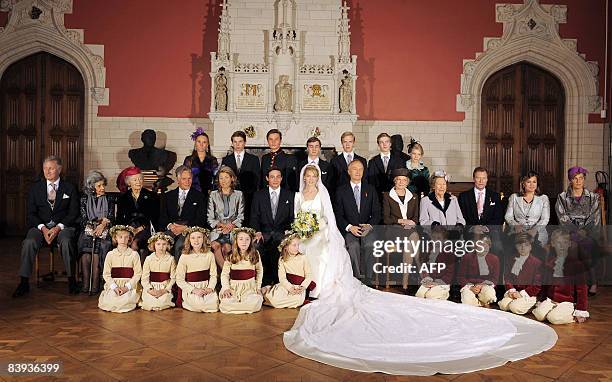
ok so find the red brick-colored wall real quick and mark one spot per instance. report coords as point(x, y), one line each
point(409, 52)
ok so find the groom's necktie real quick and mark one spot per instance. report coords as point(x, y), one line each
point(274, 203)
point(357, 195)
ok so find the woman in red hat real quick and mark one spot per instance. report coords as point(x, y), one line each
point(138, 208)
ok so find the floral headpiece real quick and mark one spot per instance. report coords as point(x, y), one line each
point(441, 174)
point(196, 228)
point(249, 231)
point(161, 236)
point(290, 236)
point(116, 228)
point(199, 131)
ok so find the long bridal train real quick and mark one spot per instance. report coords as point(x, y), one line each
point(355, 327)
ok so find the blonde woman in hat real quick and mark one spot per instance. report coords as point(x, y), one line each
point(121, 273)
point(242, 275)
point(196, 273)
point(158, 274)
point(294, 276)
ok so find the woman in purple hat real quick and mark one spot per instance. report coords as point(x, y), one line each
point(579, 208)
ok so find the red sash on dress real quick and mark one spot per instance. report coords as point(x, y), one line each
point(298, 280)
point(194, 277)
point(242, 274)
point(122, 272)
point(159, 277)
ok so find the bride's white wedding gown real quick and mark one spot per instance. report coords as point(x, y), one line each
point(315, 248)
point(355, 327)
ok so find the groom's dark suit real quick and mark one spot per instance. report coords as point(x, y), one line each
point(272, 228)
point(347, 214)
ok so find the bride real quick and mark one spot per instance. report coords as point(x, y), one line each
point(355, 327)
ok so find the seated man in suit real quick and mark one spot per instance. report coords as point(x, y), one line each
point(357, 209)
point(481, 205)
point(271, 216)
point(52, 212)
point(313, 147)
point(184, 208)
point(286, 163)
point(382, 165)
point(246, 167)
point(341, 161)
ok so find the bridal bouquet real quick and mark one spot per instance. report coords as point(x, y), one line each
point(305, 224)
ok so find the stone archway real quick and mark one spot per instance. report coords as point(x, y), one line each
point(38, 25)
point(531, 34)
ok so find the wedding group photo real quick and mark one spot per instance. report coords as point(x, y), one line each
point(305, 190)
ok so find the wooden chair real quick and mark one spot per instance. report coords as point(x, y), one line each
point(52, 249)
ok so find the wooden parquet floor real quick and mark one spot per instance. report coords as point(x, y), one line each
point(49, 325)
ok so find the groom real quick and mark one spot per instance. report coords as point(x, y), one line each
point(357, 209)
point(271, 216)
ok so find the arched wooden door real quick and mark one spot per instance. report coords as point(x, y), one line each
point(41, 113)
point(523, 128)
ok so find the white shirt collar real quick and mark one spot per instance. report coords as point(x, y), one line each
point(316, 160)
point(270, 190)
point(349, 153)
point(181, 191)
point(518, 264)
point(239, 154)
point(382, 155)
point(49, 183)
point(477, 191)
point(355, 184)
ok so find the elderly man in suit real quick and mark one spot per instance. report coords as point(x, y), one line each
point(313, 147)
point(246, 167)
point(52, 212)
point(357, 209)
point(271, 216)
point(185, 207)
point(341, 161)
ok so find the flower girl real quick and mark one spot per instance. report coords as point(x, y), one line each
point(196, 273)
point(294, 276)
point(158, 274)
point(241, 276)
point(121, 273)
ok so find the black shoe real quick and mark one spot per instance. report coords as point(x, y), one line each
point(22, 289)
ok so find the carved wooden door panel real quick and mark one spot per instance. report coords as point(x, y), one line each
point(522, 128)
point(41, 113)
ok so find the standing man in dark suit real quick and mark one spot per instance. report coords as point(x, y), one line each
point(357, 209)
point(184, 208)
point(271, 216)
point(481, 205)
point(341, 161)
point(382, 165)
point(313, 147)
point(286, 163)
point(52, 212)
point(246, 167)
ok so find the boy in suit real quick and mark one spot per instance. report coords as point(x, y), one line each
point(246, 167)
